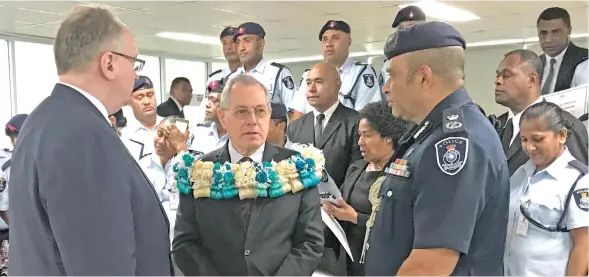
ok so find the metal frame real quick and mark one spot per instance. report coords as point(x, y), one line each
point(11, 38)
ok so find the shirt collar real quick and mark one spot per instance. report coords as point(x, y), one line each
point(555, 169)
point(328, 113)
point(134, 125)
point(517, 116)
point(288, 143)
point(92, 100)
point(177, 103)
point(558, 57)
point(259, 68)
point(347, 66)
point(257, 156)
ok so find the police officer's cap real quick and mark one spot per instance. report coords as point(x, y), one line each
point(142, 82)
point(278, 111)
point(422, 36)
point(227, 32)
point(121, 119)
point(335, 25)
point(15, 124)
point(409, 13)
point(217, 85)
point(249, 28)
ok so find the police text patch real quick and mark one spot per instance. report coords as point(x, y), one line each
point(368, 80)
point(288, 82)
point(451, 154)
point(582, 199)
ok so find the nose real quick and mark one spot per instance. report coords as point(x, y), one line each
point(499, 80)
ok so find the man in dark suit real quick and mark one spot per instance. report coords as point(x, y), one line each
point(266, 236)
point(554, 30)
point(82, 206)
point(180, 96)
point(517, 86)
point(331, 126)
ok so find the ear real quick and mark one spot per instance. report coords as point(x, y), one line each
point(535, 79)
point(562, 137)
point(107, 66)
point(262, 43)
point(425, 76)
point(221, 117)
point(349, 40)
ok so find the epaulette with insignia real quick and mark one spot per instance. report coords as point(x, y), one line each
point(279, 65)
point(453, 121)
point(218, 71)
point(6, 150)
point(204, 124)
point(360, 63)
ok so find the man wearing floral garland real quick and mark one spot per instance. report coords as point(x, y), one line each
point(248, 208)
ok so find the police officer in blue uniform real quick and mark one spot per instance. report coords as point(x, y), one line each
point(443, 206)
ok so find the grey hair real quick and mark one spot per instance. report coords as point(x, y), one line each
point(243, 80)
point(529, 58)
point(83, 35)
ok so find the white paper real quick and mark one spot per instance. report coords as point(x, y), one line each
point(573, 100)
point(337, 230)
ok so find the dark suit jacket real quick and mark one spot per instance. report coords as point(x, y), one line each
point(576, 143)
point(284, 235)
point(572, 57)
point(82, 205)
point(169, 108)
point(339, 139)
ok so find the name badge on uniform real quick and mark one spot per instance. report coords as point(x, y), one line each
point(399, 168)
point(522, 226)
point(174, 200)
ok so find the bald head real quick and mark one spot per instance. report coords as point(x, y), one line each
point(323, 84)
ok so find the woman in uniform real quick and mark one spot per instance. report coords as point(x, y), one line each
point(547, 230)
point(379, 135)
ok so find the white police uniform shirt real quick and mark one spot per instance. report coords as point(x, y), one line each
point(5, 156)
point(358, 87)
point(215, 76)
point(161, 180)
point(581, 75)
point(384, 74)
point(276, 77)
point(138, 139)
point(529, 250)
point(205, 139)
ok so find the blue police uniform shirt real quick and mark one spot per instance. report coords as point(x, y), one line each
point(276, 77)
point(448, 188)
point(359, 87)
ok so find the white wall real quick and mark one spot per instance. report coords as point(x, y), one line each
point(480, 67)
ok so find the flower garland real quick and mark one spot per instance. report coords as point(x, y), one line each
point(249, 180)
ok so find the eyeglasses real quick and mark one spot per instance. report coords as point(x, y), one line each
point(137, 63)
point(247, 113)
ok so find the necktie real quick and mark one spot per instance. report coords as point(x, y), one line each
point(548, 83)
point(246, 204)
point(319, 128)
point(507, 134)
point(182, 113)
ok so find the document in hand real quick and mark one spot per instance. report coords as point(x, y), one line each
point(573, 100)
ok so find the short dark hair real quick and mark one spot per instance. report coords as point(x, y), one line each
point(549, 113)
point(179, 80)
point(381, 119)
point(555, 13)
point(530, 58)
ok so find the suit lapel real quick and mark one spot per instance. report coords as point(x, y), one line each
point(354, 179)
point(515, 147)
point(332, 126)
point(566, 69)
point(269, 154)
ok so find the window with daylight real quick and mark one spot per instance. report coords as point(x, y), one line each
point(195, 71)
point(5, 102)
point(35, 74)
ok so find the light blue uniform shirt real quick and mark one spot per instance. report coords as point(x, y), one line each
point(205, 139)
point(4, 156)
point(532, 251)
point(276, 77)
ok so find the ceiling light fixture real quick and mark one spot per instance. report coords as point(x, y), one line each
point(190, 38)
point(443, 11)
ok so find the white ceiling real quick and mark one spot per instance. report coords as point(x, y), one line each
point(292, 27)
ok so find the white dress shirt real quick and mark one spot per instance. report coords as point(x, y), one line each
point(557, 65)
point(92, 100)
point(581, 76)
point(328, 113)
point(516, 118)
point(257, 156)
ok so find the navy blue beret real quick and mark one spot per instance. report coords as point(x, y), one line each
point(227, 32)
point(335, 25)
point(142, 82)
point(249, 28)
point(15, 124)
point(409, 13)
point(421, 36)
point(121, 119)
point(278, 111)
point(216, 85)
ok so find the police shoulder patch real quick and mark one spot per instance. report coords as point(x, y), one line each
point(453, 121)
point(380, 80)
point(288, 83)
point(368, 80)
point(324, 176)
point(582, 199)
point(451, 154)
point(2, 184)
